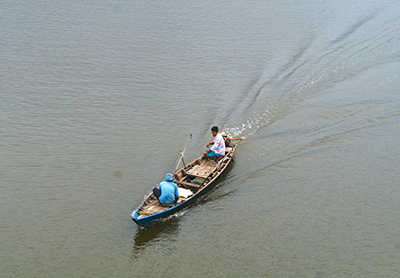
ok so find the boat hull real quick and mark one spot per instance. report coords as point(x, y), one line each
point(145, 221)
point(139, 214)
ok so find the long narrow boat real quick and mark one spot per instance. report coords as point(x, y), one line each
point(192, 181)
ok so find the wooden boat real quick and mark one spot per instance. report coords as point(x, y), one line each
point(192, 180)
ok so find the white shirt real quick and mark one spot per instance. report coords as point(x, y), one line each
point(219, 144)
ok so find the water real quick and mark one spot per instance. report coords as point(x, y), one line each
point(99, 97)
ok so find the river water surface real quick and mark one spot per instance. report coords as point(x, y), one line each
point(99, 97)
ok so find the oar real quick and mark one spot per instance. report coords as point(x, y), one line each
point(182, 153)
point(236, 139)
point(248, 136)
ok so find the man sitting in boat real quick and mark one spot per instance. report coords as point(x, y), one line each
point(217, 145)
point(167, 193)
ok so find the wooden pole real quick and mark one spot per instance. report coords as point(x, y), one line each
point(182, 153)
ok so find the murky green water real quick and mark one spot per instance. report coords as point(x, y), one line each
point(98, 98)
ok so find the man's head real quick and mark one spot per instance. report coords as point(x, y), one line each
point(214, 130)
point(169, 177)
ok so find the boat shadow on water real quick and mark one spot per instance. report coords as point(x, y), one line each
point(146, 236)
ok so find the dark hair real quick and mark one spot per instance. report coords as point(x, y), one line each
point(214, 128)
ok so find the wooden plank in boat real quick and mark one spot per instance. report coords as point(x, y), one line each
point(203, 170)
point(187, 183)
point(156, 208)
point(182, 199)
point(146, 212)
